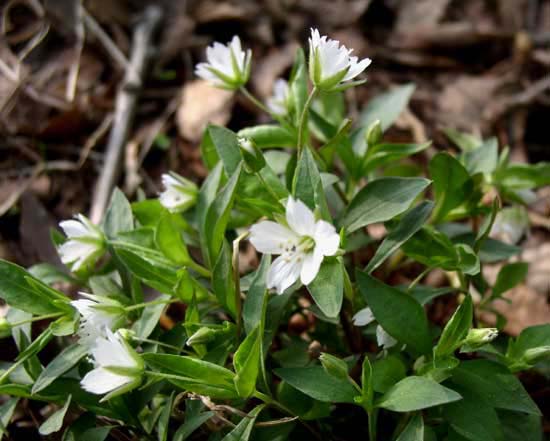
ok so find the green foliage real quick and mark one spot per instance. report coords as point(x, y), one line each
point(298, 363)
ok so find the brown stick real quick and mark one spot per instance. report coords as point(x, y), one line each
point(124, 109)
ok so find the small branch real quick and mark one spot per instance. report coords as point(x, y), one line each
point(124, 109)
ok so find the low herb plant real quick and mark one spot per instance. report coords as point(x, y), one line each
point(328, 337)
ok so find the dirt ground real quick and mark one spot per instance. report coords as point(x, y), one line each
point(479, 66)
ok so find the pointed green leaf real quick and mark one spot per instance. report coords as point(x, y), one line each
point(247, 363)
point(55, 422)
point(327, 289)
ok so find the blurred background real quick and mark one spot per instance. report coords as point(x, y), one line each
point(480, 66)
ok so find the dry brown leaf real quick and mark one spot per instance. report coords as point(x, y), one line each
point(201, 103)
point(271, 67)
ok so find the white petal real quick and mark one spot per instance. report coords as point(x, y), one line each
point(284, 271)
point(75, 251)
point(327, 240)
point(363, 317)
point(356, 68)
point(73, 228)
point(83, 306)
point(310, 267)
point(271, 238)
point(384, 339)
point(111, 351)
point(172, 198)
point(101, 381)
point(299, 217)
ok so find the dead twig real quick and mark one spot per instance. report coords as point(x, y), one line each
point(124, 109)
point(94, 138)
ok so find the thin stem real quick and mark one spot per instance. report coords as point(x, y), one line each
point(301, 126)
point(145, 304)
point(199, 269)
point(372, 415)
point(419, 278)
point(37, 319)
point(255, 100)
point(158, 343)
point(269, 189)
point(237, 277)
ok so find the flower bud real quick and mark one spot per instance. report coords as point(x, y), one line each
point(179, 193)
point(5, 328)
point(254, 160)
point(334, 366)
point(201, 337)
point(479, 337)
point(534, 355)
point(374, 133)
point(127, 334)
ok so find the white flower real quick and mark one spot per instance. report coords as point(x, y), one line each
point(365, 316)
point(84, 245)
point(331, 64)
point(179, 193)
point(278, 102)
point(97, 315)
point(118, 368)
point(302, 245)
point(228, 66)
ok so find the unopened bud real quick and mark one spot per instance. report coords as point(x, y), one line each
point(254, 160)
point(334, 366)
point(374, 133)
point(5, 328)
point(127, 334)
point(534, 355)
point(202, 336)
point(479, 337)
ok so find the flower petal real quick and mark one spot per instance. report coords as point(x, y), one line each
point(327, 240)
point(384, 339)
point(310, 267)
point(284, 271)
point(299, 217)
point(100, 381)
point(271, 238)
point(363, 317)
point(74, 228)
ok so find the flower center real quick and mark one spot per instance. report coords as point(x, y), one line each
point(306, 244)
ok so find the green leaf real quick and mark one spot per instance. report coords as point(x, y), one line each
point(253, 303)
point(451, 182)
point(242, 431)
point(150, 316)
point(223, 143)
point(411, 222)
point(55, 422)
point(152, 272)
point(398, 313)
point(168, 239)
point(316, 383)
point(508, 277)
point(532, 345)
point(383, 154)
point(327, 289)
point(6, 412)
point(385, 107)
point(482, 159)
point(118, 217)
point(62, 363)
point(520, 426)
point(164, 419)
point(386, 372)
point(19, 291)
point(194, 375)
point(524, 176)
point(269, 135)
point(298, 85)
point(367, 383)
point(192, 423)
point(307, 180)
point(425, 294)
point(490, 379)
point(414, 430)
point(218, 214)
point(456, 329)
point(464, 141)
point(148, 212)
point(473, 418)
point(247, 363)
point(381, 200)
point(223, 283)
point(415, 393)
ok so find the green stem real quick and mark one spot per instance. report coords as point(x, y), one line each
point(255, 100)
point(145, 304)
point(158, 343)
point(372, 415)
point(303, 121)
point(269, 189)
point(419, 278)
point(237, 277)
point(199, 269)
point(37, 319)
